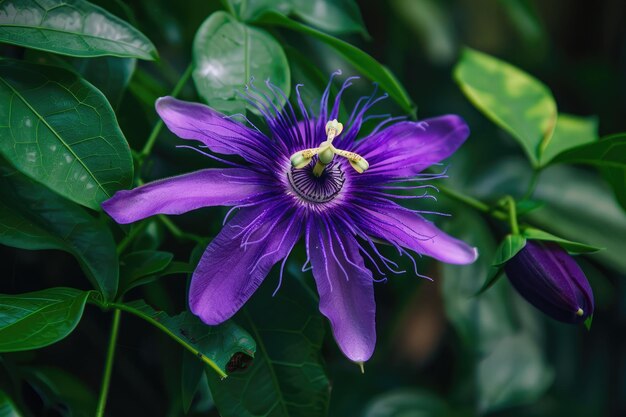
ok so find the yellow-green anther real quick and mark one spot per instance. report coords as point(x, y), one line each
point(302, 158)
point(357, 162)
point(580, 312)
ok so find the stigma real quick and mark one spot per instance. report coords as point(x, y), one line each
point(326, 153)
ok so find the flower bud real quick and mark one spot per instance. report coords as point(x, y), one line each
point(549, 278)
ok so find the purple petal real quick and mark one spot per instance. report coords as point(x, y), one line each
point(180, 194)
point(410, 230)
point(346, 290)
point(199, 122)
point(229, 271)
point(407, 148)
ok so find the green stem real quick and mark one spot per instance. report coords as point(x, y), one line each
point(155, 323)
point(134, 231)
point(471, 201)
point(147, 148)
point(512, 215)
point(108, 367)
point(176, 231)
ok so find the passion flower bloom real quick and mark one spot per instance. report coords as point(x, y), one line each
point(551, 280)
point(309, 178)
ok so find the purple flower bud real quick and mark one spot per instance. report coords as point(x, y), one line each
point(549, 278)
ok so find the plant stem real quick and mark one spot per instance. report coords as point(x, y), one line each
point(164, 329)
point(147, 148)
point(512, 215)
point(176, 231)
point(472, 202)
point(108, 367)
point(121, 247)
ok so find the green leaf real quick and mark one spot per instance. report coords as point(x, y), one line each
point(515, 101)
point(609, 152)
point(110, 75)
point(71, 27)
point(61, 131)
point(286, 378)
point(573, 247)
point(7, 407)
point(510, 246)
point(406, 402)
point(33, 217)
point(570, 132)
point(512, 373)
point(227, 53)
point(137, 265)
point(37, 319)
point(217, 346)
point(335, 16)
point(361, 61)
point(173, 268)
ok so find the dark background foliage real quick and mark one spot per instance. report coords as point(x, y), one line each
point(441, 352)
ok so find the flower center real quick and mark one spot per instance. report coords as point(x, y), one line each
point(326, 152)
point(317, 189)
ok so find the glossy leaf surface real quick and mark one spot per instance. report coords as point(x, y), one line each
point(33, 217)
point(71, 27)
point(227, 53)
point(286, 377)
point(61, 131)
point(511, 98)
point(215, 345)
point(37, 319)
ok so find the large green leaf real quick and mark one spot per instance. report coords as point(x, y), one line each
point(570, 132)
point(58, 129)
point(33, 217)
point(227, 53)
point(222, 347)
point(286, 378)
point(71, 27)
point(363, 62)
point(41, 318)
point(517, 102)
point(110, 75)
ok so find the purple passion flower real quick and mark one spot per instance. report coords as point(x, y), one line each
point(549, 278)
point(309, 178)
